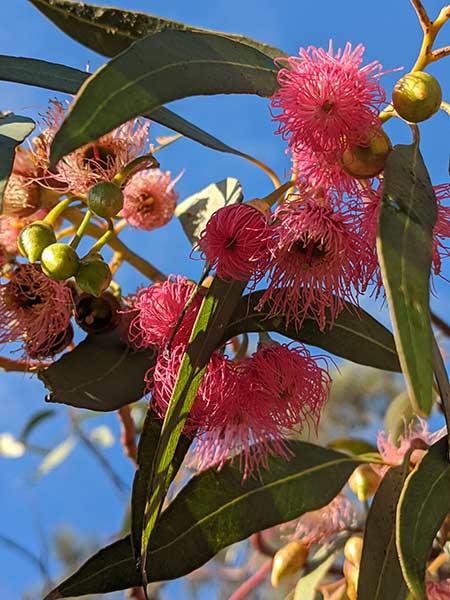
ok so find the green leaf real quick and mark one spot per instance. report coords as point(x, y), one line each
point(352, 446)
point(110, 31)
point(405, 229)
point(33, 422)
point(60, 78)
point(306, 588)
point(424, 504)
point(399, 415)
point(55, 457)
point(158, 69)
point(214, 510)
point(148, 442)
point(101, 374)
point(215, 311)
point(380, 574)
point(13, 130)
point(194, 212)
point(355, 335)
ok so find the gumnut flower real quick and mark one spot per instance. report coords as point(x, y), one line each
point(327, 101)
point(393, 453)
point(22, 195)
point(99, 161)
point(150, 199)
point(279, 390)
point(157, 310)
point(438, 590)
point(320, 525)
point(35, 311)
point(236, 242)
point(318, 262)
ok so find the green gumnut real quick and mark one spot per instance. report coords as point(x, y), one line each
point(105, 199)
point(34, 238)
point(417, 96)
point(94, 275)
point(365, 162)
point(59, 261)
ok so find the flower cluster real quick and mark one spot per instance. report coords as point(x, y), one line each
point(246, 406)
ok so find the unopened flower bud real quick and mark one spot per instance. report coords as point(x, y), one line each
point(94, 275)
point(353, 549)
point(364, 162)
point(364, 482)
point(105, 199)
point(417, 96)
point(351, 574)
point(34, 238)
point(288, 561)
point(97, 315)
point(59, 261)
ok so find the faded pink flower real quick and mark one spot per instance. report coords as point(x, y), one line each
point(327, 101)
point(149, 199)
point(317, 263)
point(35, 311)
point(22, 194)
point(320, 525)
point(393, 454)
point(438, 590)
point(236, 242)
point(157, 310)
point(86, 166)
point(441, 232)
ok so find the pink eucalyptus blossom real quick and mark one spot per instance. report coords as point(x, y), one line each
point(317, 263)
point(150, 199)
point(438, 590)
point(327, 101)
point(236, 242)
point(34, 311)
point(158, 308)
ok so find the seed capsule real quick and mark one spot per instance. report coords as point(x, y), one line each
point(417, 96)
point(34, 238)
point(364, 482)
point(94, 275)
point(105, 199)
point(59, 261)
point(288, 561)
point(97, 315)
point(365, 162)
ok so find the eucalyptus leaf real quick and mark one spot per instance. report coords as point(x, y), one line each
point(405, 244)
point(109, 31)
point(306, 588)
point(61, 78)
point(214, 510)
point(160, 68)
point(101, 373)
point(194, 212)
point(380, 574)
point(355, 335)
point(34, 421)
point(55, 457)
point(424, 504)
point(14, 129)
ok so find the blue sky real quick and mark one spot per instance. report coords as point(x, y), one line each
point(78, 493)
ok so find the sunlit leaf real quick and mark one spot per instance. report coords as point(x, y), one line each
point(55, 457)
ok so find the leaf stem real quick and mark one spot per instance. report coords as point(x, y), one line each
point(81, 230)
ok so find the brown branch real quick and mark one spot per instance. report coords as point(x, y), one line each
point(440, 324)
point(439, 53)
point(422, 15)
point(248, 586)
point(21, 366)
point(128, 433)
point(259, 543)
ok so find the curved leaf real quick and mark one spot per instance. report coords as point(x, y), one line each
point(101, 374)
point(156, 70)
point(306, 588)
point(35, 420)
point(405, 230)
point(13, 130)
point(61, 78)
point(355, 335)
point(216, 509)
point(110, 31)
point(424, 504)
point(380, 574)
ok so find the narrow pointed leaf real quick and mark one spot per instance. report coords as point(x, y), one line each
point(214, 510)
point(306, 588)
point(158, 69)
point(34, 421)
point(214, 314)
point(355, 335)
point(54, 76)
point(109, 31)
point(101, 373)
point(407, 216)
point(423, 506)
point(13, 130)
point(380, 574)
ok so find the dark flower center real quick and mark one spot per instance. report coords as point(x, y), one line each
point(98, 156)
point(310, 250)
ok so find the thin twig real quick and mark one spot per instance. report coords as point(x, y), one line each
point(248, 586)
point(128, 433)
point(440, 324)
point(439, 53)
point(259, 543)
point(20, 366)
point(422, 15)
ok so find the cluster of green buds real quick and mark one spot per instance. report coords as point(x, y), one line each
point(60, 261)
